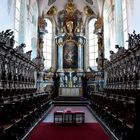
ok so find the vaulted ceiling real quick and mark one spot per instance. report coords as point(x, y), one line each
point(95, 5)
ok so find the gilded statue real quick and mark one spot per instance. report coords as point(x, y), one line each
point(69, 25)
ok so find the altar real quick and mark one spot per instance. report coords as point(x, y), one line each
point(70, 41)
point(75, 91)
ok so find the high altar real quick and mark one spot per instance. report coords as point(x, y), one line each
point(70, 42)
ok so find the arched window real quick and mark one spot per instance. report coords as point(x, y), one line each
point(93, 47)
point(25, 29)
point(17, 19)
point(32, 28)
point(125, 20)
point(47, 49)
point(109, 27)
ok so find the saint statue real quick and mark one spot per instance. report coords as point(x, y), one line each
point(69, 25)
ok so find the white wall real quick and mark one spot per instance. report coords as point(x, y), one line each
point(7, 14)
point(28, 22)
point(133, 15)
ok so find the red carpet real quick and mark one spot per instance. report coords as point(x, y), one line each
point(50, 131)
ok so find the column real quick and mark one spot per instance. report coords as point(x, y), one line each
point(80, 57)
point(80, 54)
point(60, 56)
point(119, 23)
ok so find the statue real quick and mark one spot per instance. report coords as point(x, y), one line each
point(69, 25)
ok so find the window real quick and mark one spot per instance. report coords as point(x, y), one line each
point(47, 49)
point(17, 18)
point(125, 19)
point(93, 46)
point(109, 27)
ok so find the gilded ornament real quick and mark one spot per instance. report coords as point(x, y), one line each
point(52, 11)
point(70, 7)
point(99, 23)
point(41, 22)
point(88, 11)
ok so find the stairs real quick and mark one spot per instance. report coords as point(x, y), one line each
point(72, 101)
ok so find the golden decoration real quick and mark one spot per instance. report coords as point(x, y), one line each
point(70, 7)
point(99, 23)
point(52, 11)
point(69, 25)
point(88, 11)
point(41, 22)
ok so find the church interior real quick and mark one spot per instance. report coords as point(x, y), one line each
point(69, 70)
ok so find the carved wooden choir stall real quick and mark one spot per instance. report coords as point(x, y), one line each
point(118, 104)
point(20, 104)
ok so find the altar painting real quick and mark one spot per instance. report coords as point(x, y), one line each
point(70, 56)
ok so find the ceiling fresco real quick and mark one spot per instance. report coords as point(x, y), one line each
point(95, 5)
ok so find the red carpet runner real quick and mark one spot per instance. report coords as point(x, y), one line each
point(50, 131)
